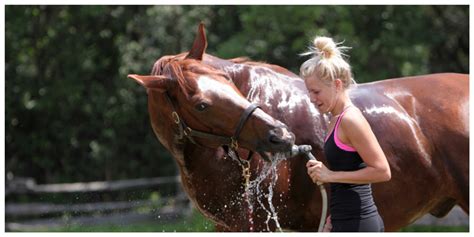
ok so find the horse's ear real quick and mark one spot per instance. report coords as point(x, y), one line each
point(199, 45)
point(158, 83)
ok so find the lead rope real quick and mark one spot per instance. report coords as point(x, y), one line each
point(245, 164)
point(246, 175)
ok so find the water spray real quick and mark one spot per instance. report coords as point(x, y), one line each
point(306, 151)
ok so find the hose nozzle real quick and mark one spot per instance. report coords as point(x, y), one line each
point(301, 150)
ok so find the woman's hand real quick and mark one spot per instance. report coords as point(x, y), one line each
point(327, 225)
point(318, 171)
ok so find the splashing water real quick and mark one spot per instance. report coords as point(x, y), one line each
point(253, 190)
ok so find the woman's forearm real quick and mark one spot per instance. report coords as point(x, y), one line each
point(362, 176)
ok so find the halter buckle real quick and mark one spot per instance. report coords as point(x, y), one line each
point(175, 117)
point(234, 144)
point(187, 131)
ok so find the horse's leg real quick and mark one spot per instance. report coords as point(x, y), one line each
point(443, 207)
point(465, 206)
point(462, 182)
point(462, 192)
point(458, 168)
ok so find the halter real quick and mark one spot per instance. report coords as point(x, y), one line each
point(185, 130)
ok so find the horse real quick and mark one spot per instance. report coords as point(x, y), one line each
point(421, 123)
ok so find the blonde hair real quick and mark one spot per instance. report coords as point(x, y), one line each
point(327, 63)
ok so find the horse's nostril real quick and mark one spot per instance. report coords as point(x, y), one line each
point(279, 135)
point(275, 139)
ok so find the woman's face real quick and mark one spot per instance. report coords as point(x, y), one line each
point(321, 94)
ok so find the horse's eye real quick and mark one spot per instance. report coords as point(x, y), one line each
point(201, 106)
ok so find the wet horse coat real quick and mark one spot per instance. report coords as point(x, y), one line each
point(421, 124)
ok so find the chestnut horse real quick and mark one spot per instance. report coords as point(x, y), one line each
point(421, 123)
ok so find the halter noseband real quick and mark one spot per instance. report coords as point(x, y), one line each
point(185, 130)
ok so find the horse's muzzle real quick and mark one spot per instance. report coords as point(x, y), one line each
point(280, 139)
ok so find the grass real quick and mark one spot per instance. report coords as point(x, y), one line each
point(422, 228)
point(197, 223)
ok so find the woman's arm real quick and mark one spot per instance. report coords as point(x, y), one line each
point(356, 130)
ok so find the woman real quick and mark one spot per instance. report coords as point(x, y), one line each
point(353, 153)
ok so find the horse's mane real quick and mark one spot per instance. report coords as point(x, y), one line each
point(249, 62)
point(240, 60)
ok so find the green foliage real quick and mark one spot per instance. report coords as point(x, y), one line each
point(72, 115)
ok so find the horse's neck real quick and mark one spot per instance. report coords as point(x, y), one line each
point(240, 76)
point(281, 94)
point(256, 77)
point(262, 85)
point(235, 71)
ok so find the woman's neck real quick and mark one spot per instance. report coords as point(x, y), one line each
point(341, 104)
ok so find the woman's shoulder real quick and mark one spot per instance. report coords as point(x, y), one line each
point(353, 119)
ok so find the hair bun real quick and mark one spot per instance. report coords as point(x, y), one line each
point(325, 47)
point(327, 63)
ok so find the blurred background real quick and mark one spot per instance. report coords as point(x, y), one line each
point(80, 152)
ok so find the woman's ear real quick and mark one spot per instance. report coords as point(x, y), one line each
point(339, 84)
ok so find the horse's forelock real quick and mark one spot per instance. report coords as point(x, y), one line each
point(157, 66)
point(186, 83)
point(161, 63)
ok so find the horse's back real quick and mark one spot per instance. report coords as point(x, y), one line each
point(422, 125)
point(435, 108)
point(435, 99)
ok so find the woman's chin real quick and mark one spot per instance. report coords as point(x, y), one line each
point(321, 109)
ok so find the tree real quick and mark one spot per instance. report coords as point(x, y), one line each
point(71, 114)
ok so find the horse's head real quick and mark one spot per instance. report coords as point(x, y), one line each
point(208, 108)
